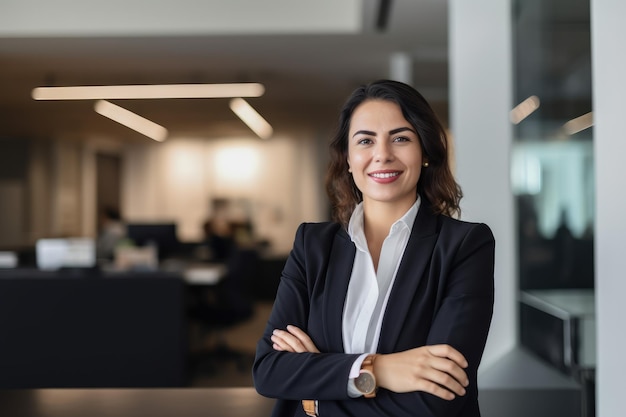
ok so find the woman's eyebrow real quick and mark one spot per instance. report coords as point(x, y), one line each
point(391, 132)
point(364, 132)
point(401, 129)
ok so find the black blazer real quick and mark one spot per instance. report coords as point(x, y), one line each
point(443, 293)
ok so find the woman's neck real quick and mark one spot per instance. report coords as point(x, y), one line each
point(377, 221)
point(379, 216)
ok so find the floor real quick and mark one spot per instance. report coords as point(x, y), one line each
point(215, 372)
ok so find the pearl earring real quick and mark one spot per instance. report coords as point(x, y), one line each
point(425, 164)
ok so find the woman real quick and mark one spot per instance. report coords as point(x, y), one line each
point(386, 311)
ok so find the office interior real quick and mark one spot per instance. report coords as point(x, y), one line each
point(529, 90)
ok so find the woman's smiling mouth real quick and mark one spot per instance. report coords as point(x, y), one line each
point(384, 175)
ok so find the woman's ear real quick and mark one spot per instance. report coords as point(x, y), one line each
point(348, 162)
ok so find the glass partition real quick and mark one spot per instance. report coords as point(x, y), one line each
point(552, 160)
point(552, 176)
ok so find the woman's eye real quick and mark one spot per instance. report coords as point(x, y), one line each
point(364, 141)
point(402, 139)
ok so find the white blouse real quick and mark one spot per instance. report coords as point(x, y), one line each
point(368, 290)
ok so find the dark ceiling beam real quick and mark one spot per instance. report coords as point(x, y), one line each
point(382, 18)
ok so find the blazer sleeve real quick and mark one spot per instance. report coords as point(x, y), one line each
point(463, 310)
point(297, 376)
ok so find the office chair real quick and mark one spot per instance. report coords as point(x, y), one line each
point(221, 308)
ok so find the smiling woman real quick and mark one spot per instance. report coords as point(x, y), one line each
point(385, 311)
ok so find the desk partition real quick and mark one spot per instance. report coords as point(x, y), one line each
point(70, 329)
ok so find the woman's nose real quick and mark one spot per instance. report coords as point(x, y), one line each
point(382, 152)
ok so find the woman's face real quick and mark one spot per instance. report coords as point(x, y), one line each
point(384, 154)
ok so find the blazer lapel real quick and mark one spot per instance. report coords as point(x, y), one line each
point(410, 272)
point(340, 265)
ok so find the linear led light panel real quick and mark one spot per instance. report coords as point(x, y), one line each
point(579, 123)
point(251, 117)
point(121, 92)
point(524, 109)
point(131, 120)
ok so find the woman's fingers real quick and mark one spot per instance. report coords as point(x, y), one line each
point(303, 338)
point(447, 367)
point(286, 342)
point(446, 375)
point(447, 351)
point(292, 340)
point(436, 390)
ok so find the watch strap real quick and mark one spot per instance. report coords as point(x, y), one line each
point(309, 407)
point(368, 365)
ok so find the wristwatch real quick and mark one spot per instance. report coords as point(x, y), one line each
point(366, 381)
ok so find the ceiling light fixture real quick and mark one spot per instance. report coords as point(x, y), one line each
point(579, 123)
point(524, 109)
point(131, 120)
point(251, 117)
point(121, 92)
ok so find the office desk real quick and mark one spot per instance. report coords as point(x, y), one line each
point(573, 310)
point(208, 274)
point(187, 402)
point(80, 329)
point(193, 273)
point(68, 330)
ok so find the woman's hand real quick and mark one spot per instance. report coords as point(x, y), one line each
point(436, 369)
point(292, 340)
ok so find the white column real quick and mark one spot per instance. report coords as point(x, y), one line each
point(401, 67)
point(480, 100)
point(609, 92)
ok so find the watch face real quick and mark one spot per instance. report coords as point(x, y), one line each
point(365, 382)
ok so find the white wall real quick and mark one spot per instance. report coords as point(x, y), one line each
point(609, 93)
point(175, 181)
point(480, 100)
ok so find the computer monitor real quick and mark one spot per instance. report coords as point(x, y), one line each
point(53, 254)
point(162, 235)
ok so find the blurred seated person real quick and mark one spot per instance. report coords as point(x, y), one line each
point(112, 231)
point(218, 236)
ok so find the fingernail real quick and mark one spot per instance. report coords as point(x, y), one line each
point(275, 331)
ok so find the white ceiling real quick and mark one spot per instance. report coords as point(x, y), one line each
point(307, 76)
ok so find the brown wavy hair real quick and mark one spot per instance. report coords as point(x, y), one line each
point(436, 184)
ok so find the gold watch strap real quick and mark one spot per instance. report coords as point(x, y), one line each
point(368, 364)
point(309, 407)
